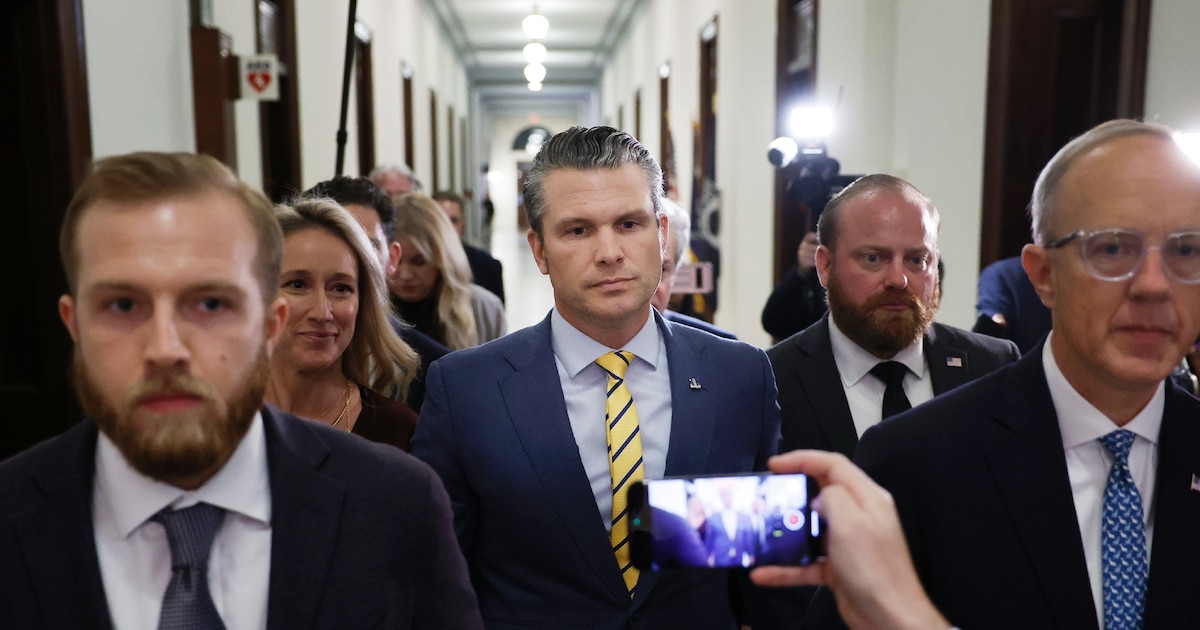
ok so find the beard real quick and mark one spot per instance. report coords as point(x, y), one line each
point(174, 445)
point(883, 333)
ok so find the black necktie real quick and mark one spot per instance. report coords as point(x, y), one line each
point(892, 374)
point(187, 603)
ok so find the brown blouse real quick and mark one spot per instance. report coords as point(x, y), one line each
point(385, 420)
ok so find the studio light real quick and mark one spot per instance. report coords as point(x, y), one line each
point(1190, 143)
point(811, 122)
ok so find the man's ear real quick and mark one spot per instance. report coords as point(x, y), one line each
point(1035, 259)
point(824, 260)
point(539, 251)
point(393, 259)
point(275, 317)
point(66, 311)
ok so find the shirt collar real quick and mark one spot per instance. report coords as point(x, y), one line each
point(1080, 421)
point(577, 351)
point(854, 362)
point(242, 485)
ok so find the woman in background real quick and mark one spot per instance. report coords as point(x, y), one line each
point(338, 361)
point(431, 288)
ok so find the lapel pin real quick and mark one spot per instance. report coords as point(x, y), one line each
point(953, 361)
point(1195, 483)
point(694, 385)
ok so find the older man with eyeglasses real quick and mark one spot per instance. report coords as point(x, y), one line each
point(1064, 490)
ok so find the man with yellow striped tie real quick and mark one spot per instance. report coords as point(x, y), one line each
point(538, 434)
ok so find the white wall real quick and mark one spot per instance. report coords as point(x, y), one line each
point(140, 80)
point(139, 76)
point(1173, 77)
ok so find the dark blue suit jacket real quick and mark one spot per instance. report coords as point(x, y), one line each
point(980, 481)
point(696, 322)
point(495, 427)
point(1004, 288)
point(360, 535)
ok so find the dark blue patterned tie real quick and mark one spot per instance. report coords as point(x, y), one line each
point(187, 604)
point(1123, 537)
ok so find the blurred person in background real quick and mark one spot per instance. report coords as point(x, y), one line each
point(431, 287)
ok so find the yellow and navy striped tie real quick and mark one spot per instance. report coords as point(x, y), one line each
point(624, 455)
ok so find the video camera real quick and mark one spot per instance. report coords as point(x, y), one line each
point(813, 178)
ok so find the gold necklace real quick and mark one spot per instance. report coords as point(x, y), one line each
point(349, 388)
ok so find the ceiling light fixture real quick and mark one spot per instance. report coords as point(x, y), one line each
point(534, 52)
point(535, 86)
point(535, 25)
point(535, 73)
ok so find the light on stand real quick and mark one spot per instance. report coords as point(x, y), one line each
point(811, 122)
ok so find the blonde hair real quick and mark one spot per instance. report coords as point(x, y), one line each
point(376, 357)
point(426, 226)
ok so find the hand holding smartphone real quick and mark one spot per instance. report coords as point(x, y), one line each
point(722, 522)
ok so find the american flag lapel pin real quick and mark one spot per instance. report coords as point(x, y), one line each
point(954, 362)
point(1195, 483)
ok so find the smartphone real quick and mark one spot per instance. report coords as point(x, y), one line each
point(723, 522)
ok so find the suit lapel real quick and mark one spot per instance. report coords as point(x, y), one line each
point(1175, 554)
point(691, 426)
point(822, 384)
point(306, 506)
point(948, 367)
point(534, 400)
point(59, 530)
point(1030, 471)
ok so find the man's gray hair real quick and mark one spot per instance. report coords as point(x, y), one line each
point(588, 149)
point(1045, 191)
point(399, 169)
point(679, 222)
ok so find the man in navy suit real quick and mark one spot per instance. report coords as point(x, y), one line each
point(516, 428)
point(172, 266)
point(1006, 487)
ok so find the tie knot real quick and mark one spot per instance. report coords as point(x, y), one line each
point(615, 363)
point(190, 532)
point(890, 372)
point(1118, 443)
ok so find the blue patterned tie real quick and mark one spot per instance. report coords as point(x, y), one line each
point(1123, 538)
point(187, 604)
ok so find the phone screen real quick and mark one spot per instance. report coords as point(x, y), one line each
point(722, 522)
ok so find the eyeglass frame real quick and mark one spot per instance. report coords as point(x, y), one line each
point(1083, 236)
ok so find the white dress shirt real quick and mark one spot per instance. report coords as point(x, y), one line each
point(864, 392)
point(584, 387)
point(135, 560)
point(1088, 463)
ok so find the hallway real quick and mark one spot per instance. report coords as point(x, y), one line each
point(528, 293)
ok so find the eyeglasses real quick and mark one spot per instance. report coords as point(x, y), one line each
point(1115, 255)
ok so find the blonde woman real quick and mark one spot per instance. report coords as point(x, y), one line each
point(338, 361)
point(431, 287)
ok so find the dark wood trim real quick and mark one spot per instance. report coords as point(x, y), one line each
point(46, 126)
point(280, 120)
point(637, 114)
point(213, 65)
point(410, 150)
point(792, 219)
point(364, 84)
point(433, 142)
point(450, 148)
point(666, 147)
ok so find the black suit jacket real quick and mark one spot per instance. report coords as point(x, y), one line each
point(361, 535)
point(980, 481)
point(486, 271)
point(813, 408)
